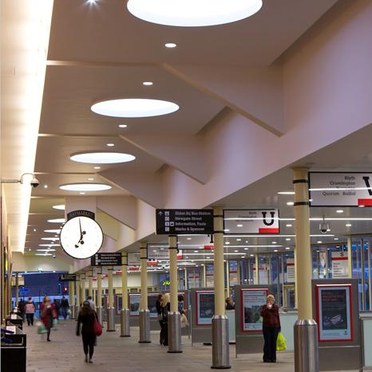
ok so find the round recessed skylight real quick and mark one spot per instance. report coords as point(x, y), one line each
point(85, 187)
point(193, 13)
point(102, 157)
point(134, 108)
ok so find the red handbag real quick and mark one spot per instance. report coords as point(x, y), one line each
point(97, 327)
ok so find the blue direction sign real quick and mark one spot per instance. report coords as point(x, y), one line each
point(184, 221)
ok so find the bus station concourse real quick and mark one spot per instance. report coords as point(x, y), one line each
point(242, 170)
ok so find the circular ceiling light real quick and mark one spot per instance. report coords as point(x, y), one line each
point(193, 13)
point(102, 157)
point(134, 108)
point(85, 187)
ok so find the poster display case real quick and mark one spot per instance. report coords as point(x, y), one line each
point(251, 301)
point(204, 307)
point(334, 312)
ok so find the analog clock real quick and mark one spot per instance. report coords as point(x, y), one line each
point(81, 237)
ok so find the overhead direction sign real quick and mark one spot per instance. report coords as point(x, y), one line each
point(67, 278)
point(340, 189)
point(251, 221)
point(106, 259)
point(184, 221)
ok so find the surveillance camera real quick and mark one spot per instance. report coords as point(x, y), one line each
point(35, 182)
point(324, 227)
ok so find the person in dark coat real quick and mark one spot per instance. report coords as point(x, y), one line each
point(86, 318)
point(158, 310)
point(271, 328)
point(164, 309)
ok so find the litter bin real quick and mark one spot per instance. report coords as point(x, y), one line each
point(14, 319)
point(13, 350)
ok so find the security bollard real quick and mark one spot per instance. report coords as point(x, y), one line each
point(124, 323)
point(174, 332)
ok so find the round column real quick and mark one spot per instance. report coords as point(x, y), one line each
point(144, 313)
point(99, 297)
point(124, 312)
point(174, 317)
point(110, 307)
point(305, 328)
point(220, 324)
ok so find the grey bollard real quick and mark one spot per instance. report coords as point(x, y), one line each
point(144, 326)
point(174, 332)
point(220, 342)
point(110, 319)
point(306, 346)
point(99, 311)
point(124, 323)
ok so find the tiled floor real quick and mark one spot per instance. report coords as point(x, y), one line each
point(114, 353)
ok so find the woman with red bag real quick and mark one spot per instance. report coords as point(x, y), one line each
point(87, 317)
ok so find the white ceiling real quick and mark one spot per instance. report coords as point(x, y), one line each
point(100, 52)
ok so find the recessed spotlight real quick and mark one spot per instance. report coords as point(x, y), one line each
point(170, 45)
point(45, 186)
point(287, 239)
point(123, 126)
point(348, 225)
point(290, 203)
point(335, 238)
point(85, 187)
point(288, 225)
point(239, 225)
point(134, 108)
point(275, 250)
point(90, 179)
point(340, 211)
point(96, 167)
point(147, 83)
point(193, 13)
point(110, 144)
point(287, 248)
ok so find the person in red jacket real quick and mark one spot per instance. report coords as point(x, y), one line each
point(270, 328)
point(48, 313)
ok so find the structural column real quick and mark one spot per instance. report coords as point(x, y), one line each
point(349, 258)
point(174, 317)
point(220, 323)
point(82, 288)
point(71, 299)
point(90, 284)
point(110, 305)
point(305, 328)
point(78, 292)
point(99, 297)
point(144, 313)
point(124, 313)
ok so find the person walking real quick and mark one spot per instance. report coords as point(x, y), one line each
point(158, 310)
point(48, 313)
point(91, 303)
point(86, 318)
point(64, 307)
point(30, 311)
point(164, 309)
point(270, 327)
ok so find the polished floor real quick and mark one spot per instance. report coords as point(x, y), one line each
point(114, 353)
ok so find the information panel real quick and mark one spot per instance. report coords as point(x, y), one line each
point(340, 189)
point(251, 301)
point(184, 221)
point(333, 312)
point(204, 307)
point(106, 259)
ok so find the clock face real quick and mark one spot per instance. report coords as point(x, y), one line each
point(81, 237)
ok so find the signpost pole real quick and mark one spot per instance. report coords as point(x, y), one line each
point(220, 323)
